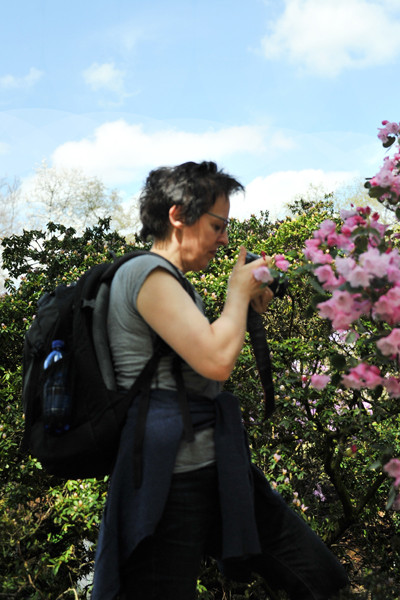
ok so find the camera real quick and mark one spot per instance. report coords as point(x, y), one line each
point(278, 285)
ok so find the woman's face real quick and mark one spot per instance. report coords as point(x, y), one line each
point(201, 240)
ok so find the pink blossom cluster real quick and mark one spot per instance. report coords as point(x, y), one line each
point(370, 264)
point(263, 273)
point(358, 270)
point(363, 283)
point(365, 280)
point(388, 176)
point(387, 180)
point(392, 385)
point(319, 382)
point(281, 262)
point(363, 375)
point(392, 468)
point(387, 307)
point(343, 308)
point(390, 345)
point(388, 129)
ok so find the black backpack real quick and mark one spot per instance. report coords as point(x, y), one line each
point(77, 314)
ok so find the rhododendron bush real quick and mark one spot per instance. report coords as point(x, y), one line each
point(335, 396)
point(356, 264)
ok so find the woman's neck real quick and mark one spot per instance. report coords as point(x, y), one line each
point(169, 251)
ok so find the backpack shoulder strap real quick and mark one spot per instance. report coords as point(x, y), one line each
point(143, 382)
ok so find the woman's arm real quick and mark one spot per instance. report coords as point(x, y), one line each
point(210, 349)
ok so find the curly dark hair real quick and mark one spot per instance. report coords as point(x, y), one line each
point(192, 186)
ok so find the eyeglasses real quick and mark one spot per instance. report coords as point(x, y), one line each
point(226, 221)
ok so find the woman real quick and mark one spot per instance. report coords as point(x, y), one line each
point(185, 494)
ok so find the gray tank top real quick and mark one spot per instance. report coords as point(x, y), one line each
point(131, 342)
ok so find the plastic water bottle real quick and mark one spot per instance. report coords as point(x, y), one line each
point(57, 400)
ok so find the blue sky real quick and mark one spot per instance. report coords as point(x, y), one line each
point(281, 93)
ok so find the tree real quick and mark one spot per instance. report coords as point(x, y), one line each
point(9, 197)
point(65, 196)
point(69, 196)
point(353, 193)
point(9, 216)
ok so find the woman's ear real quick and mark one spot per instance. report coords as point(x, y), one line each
point(175, 217)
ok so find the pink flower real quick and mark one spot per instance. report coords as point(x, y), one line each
point(313, 253)
point(392, 468)
point(326, 229)
point(343, 308)
point(327, 276)
point(359, 277)
point(345, 242)
point(345, 265)
point(390, 344)
point(364, 210)
point(385, 176)
point(396, 503)
point(387, 307)
point(352, 222)
point(392, 385)
point(341, 299)
point(388, 129)
point(281, 262)
point(363, 375)
point(319, 382)
point(393, 274)
point(262, 274)
point(374, 262)
point(345, 213)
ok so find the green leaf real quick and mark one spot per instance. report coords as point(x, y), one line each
point(336, 378)
point(391, 498)
point(309, 312)
point(318, 298)
point(361, 244)
point(377, 464)
point(338, 361)
point(317, 286)
point(351, 337)
point(390, 141)
point(376, 191)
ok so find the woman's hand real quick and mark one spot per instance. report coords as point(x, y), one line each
point(242, 275)
point(242, 282)
point(260, 303)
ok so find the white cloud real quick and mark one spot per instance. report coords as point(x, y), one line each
point(122, 153)
point(105, 77)
point(129, 35)
point(272, 193)
point(328, 36)
point(8, 82)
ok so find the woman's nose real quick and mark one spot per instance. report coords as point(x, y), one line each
point(223, 238)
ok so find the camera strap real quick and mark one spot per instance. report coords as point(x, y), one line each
point(256, 329)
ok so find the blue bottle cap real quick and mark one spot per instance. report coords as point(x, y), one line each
point(57, 344)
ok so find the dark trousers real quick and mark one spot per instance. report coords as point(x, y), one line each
point(166, 565)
